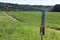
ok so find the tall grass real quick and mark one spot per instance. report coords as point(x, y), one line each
point(34, 18)
point(27, 29)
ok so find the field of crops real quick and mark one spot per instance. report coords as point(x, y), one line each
point(28, 25)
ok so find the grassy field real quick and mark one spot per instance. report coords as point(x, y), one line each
point(28, 25)
point(34, 18)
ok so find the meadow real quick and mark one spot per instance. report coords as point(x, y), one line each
point(52, 19)
point(28, 25)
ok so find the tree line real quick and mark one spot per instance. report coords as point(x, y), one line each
point(56, 8)
point(21, 7)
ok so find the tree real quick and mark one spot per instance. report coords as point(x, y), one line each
point(56, 8)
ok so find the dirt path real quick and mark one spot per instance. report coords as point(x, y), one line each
point(54, 30)
point(10, 16)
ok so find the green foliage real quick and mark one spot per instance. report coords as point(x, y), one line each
point(21, 7)
point(56, 8)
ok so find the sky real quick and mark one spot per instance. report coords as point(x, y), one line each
point(33, 2)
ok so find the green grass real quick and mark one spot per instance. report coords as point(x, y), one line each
point(1, 13)
point(34, 18)
point(53, 20)
point(27, 28)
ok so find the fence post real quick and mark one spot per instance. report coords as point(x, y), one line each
point(42, 28)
